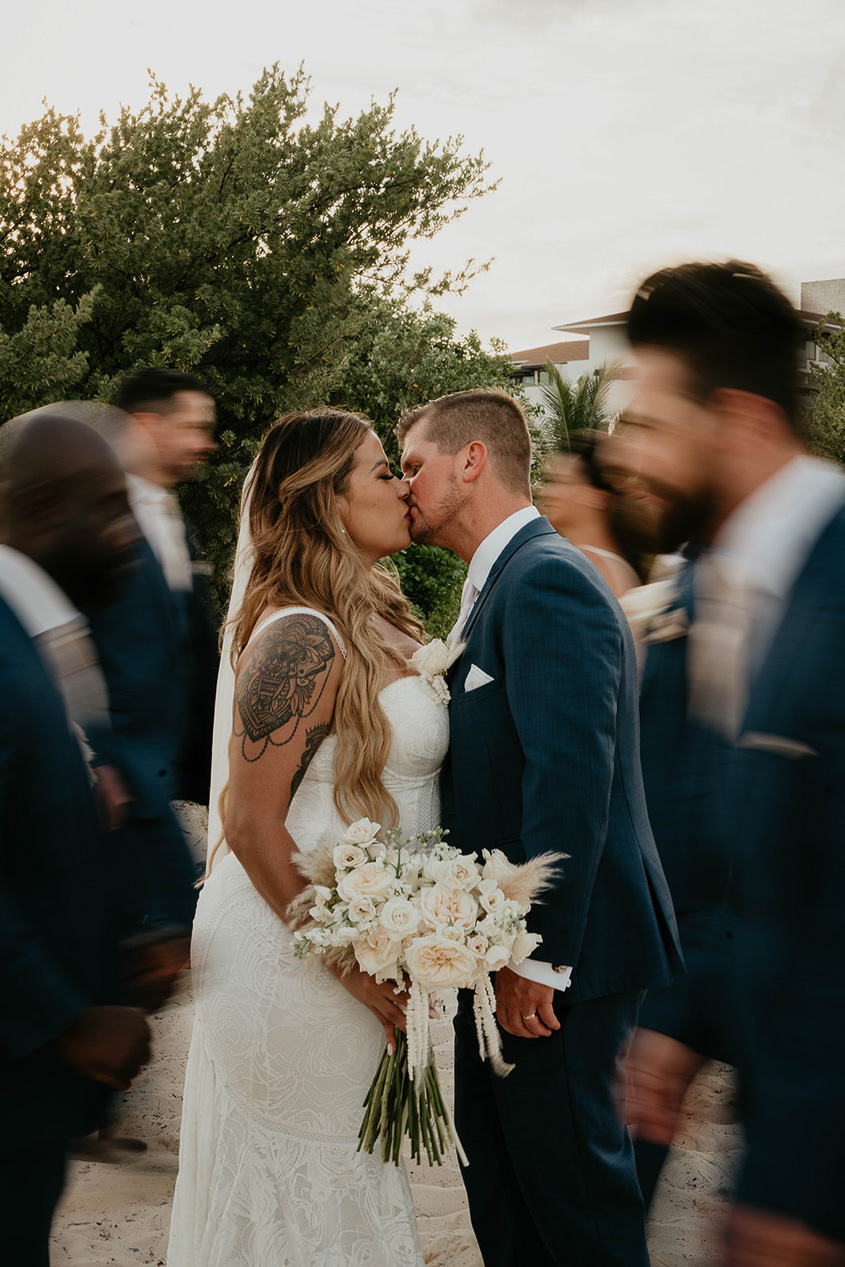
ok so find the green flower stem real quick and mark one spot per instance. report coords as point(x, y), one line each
point(397, 1106)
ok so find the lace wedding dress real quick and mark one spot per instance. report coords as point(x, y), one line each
point(282, 1056)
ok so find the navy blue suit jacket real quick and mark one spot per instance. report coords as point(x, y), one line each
point(787, 824)
point(685, 768)
point(153, 647)
point(158, 653)
point(545, 757)
point(59, 926)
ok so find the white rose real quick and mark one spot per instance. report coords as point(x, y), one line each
point(496, 867)
point(440, 905)
point(524, 944)
point(436, 963)
point(456, 873)
point(361, 908)
point(497, 957)
point(346, 856)
point(362, 832)
point(491, 897)
point(434, 658)
point(477, 944)
point(371, 880)
point(375, 849)
point(399, 917)
point(376, 955)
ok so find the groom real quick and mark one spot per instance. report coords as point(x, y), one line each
point(544, 756)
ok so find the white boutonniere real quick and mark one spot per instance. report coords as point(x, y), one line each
point(432, 662)
point(652, 612)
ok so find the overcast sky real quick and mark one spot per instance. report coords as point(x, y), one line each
point(626, 133)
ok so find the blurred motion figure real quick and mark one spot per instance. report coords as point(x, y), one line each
point(580, 501)
point(63, 1039)
point(743, 711)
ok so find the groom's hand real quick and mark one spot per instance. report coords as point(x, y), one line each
point(524, 1008)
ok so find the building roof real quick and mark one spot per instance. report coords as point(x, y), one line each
point(615, 319)
point(557, 353)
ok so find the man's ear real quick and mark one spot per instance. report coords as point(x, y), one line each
point(747, 420)
point(473, 461)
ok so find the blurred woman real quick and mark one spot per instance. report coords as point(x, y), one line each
point(580, 501)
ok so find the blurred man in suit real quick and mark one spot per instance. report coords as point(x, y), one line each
point(744, 752)
point(158, 645)
point(64, 1037)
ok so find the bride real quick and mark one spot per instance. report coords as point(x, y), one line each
point(329, 725)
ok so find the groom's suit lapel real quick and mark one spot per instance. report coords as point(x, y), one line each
point(536, 528)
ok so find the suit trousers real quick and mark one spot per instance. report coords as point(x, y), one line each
point(31, 1184)
point(551, 1180)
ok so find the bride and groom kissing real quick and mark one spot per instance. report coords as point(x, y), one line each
point(537, 752)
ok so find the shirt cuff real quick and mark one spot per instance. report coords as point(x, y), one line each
point(555, 975)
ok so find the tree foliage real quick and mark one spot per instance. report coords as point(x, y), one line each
point(265, 252)
point(825, 417)
point(578, 406)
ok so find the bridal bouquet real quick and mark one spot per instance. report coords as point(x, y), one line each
point(422, 914)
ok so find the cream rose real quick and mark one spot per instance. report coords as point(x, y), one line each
point(497, 957)
point(441, 905)
point(434, 658)
point(436, 963)
point(362, 832)
point(361, 908)
point(491, 897)
point(399, 918)
point(346, 856)
point(456, 873)
point(371, 880)
point(497, 866)
point(477, 944)
point(376, 955)
point(524, 944)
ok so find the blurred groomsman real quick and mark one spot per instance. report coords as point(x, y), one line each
point(157, 644)
point(744, 749)
point(63, 1037)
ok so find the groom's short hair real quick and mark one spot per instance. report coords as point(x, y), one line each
point(487, 414)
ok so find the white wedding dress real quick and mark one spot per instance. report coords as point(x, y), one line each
point(282, 1056)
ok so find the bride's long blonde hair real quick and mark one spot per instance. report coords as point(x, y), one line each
point(303, 557)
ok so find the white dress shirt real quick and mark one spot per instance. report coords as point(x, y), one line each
point(742, 585)
point(480, 567)
point(160, 520)
point(63, 639)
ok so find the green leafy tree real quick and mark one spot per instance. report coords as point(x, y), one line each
point(235, 239)
point(578, 406)
point(825, 416)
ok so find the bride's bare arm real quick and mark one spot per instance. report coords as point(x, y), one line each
point(285, 692)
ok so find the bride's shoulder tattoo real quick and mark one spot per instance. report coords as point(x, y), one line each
point(314, 736)
point(281, 683)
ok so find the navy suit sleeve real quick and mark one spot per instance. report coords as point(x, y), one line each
point(563, 650)
point(37, 1000)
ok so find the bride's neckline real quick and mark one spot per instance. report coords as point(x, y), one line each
point(406, 677)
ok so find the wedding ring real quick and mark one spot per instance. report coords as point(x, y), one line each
point(529, 1018)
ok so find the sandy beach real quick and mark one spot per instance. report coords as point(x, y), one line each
point(120, 1214)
